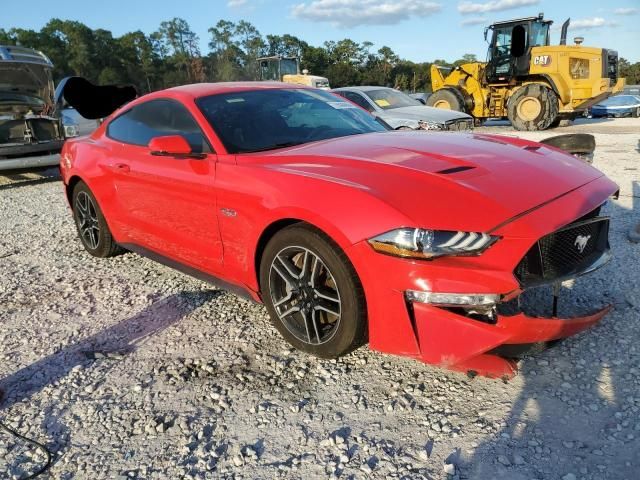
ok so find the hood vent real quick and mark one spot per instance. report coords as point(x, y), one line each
point(449, 171)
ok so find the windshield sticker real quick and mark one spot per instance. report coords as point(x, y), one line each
point(381, 102)
point(341, 105)
point(235, 100)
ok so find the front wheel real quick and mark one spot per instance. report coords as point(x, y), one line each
point(636, 113)
point(312, 293)
point(447, 99)
point(533, 107)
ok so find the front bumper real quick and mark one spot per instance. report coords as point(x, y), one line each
point(456, 342)
point(448, 337)
point(36, 161)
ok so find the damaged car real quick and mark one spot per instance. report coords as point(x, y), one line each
point(32, 128)
point(420, 245)
point(403, 112)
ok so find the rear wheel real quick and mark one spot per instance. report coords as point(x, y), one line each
point(448, 99)
point(636, 113)
point(533, 107)
point(312, 293)
point(92, 227)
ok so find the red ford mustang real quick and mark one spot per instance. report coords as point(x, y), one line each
point(347, 232)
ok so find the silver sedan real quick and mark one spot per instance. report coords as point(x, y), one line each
point(402, 112)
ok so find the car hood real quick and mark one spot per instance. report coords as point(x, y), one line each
point(453, 181)
point(28, 79)
point(616, 107)
point(418, 113)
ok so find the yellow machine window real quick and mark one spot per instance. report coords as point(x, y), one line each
point(579, 68)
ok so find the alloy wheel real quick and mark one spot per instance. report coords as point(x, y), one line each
point(87, 220)
point(305, 295)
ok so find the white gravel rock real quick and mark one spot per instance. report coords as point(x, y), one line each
point(119, 363)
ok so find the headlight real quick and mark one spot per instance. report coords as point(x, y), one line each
point(71, 131)
point(422, 243)
point(424, 125)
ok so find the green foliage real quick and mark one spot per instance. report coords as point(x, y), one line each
point(630, 71)
point(171, 56)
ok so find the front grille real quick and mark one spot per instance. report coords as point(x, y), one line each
point(460, 124)
point(566, 252)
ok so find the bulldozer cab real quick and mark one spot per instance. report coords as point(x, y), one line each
point(275, 68)
point(510, 46)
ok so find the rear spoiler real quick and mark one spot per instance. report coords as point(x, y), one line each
point(93, 101)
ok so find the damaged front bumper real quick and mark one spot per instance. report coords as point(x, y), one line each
point(412, 312)
point(456, 341)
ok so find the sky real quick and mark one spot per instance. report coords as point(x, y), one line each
point(418, 30)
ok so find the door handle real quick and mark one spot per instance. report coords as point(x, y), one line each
point(122, 167)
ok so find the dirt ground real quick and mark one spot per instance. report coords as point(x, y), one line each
point(124, 368)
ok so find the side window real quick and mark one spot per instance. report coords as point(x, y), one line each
point(358, 100)
point(157, 118)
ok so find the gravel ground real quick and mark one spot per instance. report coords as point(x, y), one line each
point(127, 369)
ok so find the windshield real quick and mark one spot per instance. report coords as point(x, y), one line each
point(260, 120)
point(539, 34)
point(387, 99)
point(621, 101)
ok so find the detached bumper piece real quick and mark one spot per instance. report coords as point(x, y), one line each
point(463, 344)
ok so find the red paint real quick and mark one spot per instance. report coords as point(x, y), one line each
point(353, 189)
point(170, 144)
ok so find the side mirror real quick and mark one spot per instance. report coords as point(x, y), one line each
point(172, 146)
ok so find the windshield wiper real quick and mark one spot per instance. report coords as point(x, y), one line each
point(275, 146)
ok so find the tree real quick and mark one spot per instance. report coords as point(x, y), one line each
point(182, 44)
point(172, 56)
point(466, 58)
point(629, 71)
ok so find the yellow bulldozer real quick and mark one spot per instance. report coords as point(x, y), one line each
point(287, 70)
point(525, 79)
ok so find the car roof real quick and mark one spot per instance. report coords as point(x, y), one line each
point(197, 90)
point(362, 88)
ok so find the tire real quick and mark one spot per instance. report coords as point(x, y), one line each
point(533, 107)
point(329, 283)
point(447, 98)
point(582, 145)
point(572, 142)
point(92, 227)
point(555, 123)
point(636, 113)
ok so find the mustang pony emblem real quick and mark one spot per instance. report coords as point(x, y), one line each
point(581, 242)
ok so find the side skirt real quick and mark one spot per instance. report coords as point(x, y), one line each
point(192, 272)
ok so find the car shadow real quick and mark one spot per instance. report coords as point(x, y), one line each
point(11, 179)
point(576, 414)
point(123, 338)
